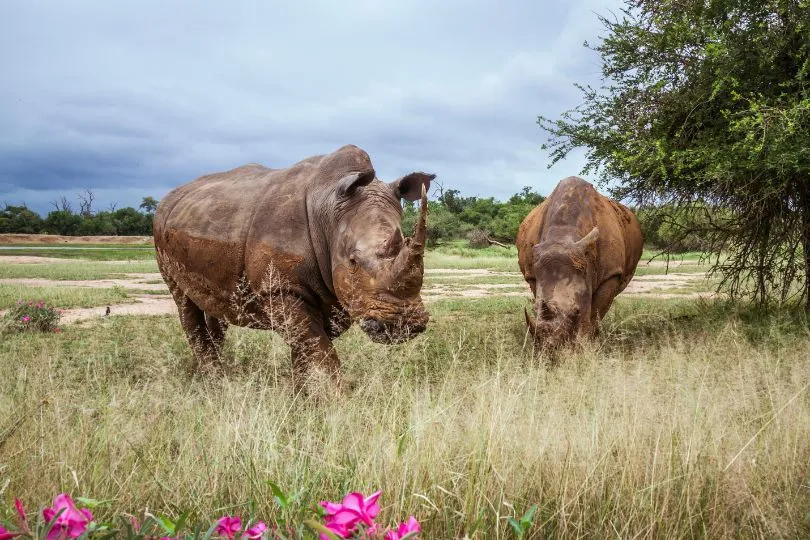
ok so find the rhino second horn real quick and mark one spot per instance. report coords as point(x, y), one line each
point(589, 238)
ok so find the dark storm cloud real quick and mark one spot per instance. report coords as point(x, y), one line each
point(132, 99)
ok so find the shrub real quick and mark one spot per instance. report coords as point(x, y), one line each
point(31, 317)
point(478, 238)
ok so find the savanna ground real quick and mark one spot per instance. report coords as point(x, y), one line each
point(688, 417)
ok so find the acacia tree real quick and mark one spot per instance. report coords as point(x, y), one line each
point(704, 107)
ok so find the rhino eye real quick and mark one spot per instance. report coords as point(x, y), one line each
point(353, 261)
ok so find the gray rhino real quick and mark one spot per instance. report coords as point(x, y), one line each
point(577, 250)
point(304, 251)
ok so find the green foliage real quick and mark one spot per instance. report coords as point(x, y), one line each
point(453, 217)
point(707, 105)
point(63, 221)
point(522, 526)
point(19, 219)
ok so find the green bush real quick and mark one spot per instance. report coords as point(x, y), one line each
point(31, 316)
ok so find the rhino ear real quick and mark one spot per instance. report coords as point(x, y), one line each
point(410, 186)
point(349, 184)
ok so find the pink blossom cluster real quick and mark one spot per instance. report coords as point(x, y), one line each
point(68, 521)
point(231, 526)
point(345, 518)
point(351, 518)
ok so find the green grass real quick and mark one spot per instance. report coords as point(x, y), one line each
point(93, 252)
point(463, 280)
point(462, 249)
point(61, 297)
point(642, 270)
point(682, 419)
point(441, 260)
point(76, 270)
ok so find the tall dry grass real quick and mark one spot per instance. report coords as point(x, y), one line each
point(678, 422)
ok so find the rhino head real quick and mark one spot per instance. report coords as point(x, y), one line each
point(563, 290)
point(376, 271)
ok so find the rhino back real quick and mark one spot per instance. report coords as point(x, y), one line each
point(572, 209)
point(201, 231)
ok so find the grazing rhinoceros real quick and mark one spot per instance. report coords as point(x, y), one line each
point(577, 250)
point(304, 251)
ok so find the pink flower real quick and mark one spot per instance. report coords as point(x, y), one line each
point(255, 532)
point(228, 526)
point(21, 513)
point(26, 319)
point(71, 523)
point(405, 528)
point(5, 534)
point(342, 518)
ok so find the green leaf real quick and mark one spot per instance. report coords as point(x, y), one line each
point(93, 503)
point(181, 522)
point(528, 517)
point(281, 498)
point(319, 528)
point(167, 524)
point(515, 524)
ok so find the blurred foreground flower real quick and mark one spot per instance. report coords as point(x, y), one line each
point(343, 518)
point(405, 528)
point(71, 523)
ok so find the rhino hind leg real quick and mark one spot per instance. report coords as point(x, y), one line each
point(205, 344)
point(217, 329)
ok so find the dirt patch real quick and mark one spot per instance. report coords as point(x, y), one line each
point(482, 290)
point(51, 239)
point(652, 286)
point(143, 305)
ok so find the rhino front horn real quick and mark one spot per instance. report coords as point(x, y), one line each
point(420, 232)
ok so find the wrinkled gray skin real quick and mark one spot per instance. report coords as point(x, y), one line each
point(304, 251)
point(577, 250)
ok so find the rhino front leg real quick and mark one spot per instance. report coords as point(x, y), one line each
point(601, 301)
point(314, 354)
point(311, 350)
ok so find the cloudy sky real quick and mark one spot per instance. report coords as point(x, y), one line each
point(133, 98)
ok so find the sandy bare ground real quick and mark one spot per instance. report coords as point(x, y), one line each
point(652, 286)
point(52, 239)
point(143, 305)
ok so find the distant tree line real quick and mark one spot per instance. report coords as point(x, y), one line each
point(453, 216)
point(84, 221)
point(480, 220)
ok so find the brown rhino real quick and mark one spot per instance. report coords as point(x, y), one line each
point(577, 250)
point(303, 251)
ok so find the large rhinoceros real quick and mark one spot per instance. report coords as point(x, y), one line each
point(304, 251)
point(577, 250)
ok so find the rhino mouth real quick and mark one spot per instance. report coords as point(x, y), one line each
point(391, 333)
point(552, 334)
